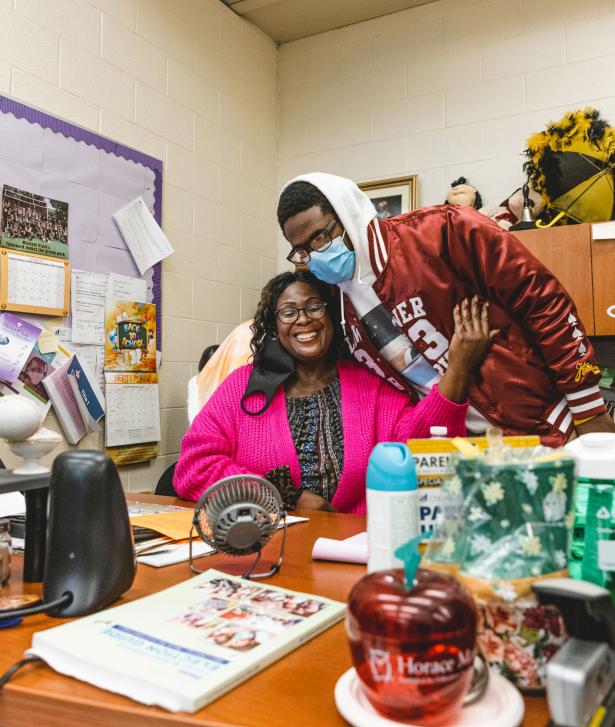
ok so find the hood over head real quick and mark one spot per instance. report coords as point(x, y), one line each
point(353, 208)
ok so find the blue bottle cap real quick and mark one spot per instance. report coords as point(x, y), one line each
point(391, 467)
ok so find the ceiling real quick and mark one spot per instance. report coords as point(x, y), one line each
point(285, 20)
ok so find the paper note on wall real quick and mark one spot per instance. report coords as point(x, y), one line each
point(122, 287)
point(143, 235)
point(88, 291)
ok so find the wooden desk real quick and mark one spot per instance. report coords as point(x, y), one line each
point(296, 690)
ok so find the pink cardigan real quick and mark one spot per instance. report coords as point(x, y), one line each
point(223, 440)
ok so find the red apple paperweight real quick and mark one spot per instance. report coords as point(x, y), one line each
point(413, 647)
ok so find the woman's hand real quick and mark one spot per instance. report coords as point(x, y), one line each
point(471, 341)
point(311, 501)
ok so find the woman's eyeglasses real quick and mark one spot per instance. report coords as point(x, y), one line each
point(321, 241)
point(290, 315)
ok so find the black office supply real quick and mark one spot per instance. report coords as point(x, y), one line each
point(89, 546)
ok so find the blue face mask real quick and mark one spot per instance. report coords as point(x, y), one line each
point(333, 265)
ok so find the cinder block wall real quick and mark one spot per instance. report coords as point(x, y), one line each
point(190, 83)
point(442, 90)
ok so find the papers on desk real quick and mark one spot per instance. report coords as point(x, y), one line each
point(176, 525)
point(175, 553)
point(12, 503)
point(351, 550)
point(142, 234)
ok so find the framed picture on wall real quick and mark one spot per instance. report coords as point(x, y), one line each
point(392, 197)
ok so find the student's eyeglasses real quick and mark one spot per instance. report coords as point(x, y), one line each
point(290, 315)
point(321, 240)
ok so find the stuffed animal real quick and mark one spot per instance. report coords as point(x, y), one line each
point(464, 194)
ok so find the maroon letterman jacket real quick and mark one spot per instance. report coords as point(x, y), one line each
point(540, 372)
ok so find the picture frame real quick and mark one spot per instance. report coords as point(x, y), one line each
point(392, 197)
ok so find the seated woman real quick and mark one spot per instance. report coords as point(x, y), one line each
point(322, 414)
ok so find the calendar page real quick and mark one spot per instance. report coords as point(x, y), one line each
point(133, 409)
point(34, 283)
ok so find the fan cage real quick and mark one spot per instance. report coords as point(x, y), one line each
point(238, 502)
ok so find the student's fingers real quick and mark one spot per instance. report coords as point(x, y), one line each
point(484, 320)
point(465, 310)
point(475, 310)
point(457, 317)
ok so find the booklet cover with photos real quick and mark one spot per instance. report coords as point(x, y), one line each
point(187, 645)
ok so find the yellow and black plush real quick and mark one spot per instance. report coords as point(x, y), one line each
point(571, 165)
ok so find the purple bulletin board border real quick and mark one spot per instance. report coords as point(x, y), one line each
point(59, 126)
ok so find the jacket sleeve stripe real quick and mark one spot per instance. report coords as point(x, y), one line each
point(566, 423)
point(586, 407)
point(381, 245)
point(373, 251)
point(583, 393)
point(551, 419)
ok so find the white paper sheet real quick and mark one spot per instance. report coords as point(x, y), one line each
point(146, 241)
point(35, 282)
point(179, 552)
point(88, 291)
point(13, 503)
point(603, 231)
point(121, 287)
point(351, 550)
point(133, 412)
point(175, 553)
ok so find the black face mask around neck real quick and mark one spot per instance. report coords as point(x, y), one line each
point(272, 367)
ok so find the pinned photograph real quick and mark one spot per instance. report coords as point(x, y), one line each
point(35, 224)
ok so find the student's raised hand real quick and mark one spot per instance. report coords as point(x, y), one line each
point(469, 346)
point(472, 338)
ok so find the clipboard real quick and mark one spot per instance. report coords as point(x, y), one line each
point(44, 280)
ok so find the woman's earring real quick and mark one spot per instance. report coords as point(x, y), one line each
point(274, 336)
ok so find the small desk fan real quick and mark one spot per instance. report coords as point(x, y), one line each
point(238, 516)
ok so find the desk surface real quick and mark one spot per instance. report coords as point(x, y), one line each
point(298, 689)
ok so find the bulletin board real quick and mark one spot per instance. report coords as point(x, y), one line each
point(94, 175)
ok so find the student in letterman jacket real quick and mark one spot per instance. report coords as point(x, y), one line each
point(399, 280)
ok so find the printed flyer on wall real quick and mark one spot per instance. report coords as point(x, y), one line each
point(130, 336)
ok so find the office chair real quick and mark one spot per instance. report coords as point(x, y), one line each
point(165, 483)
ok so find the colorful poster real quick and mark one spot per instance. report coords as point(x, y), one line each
point(31, 379)
point(130, 336)
point(32, 223)
point(17, 339)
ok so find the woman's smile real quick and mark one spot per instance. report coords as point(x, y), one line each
point(306, 338)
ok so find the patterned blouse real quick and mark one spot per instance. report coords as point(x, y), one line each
point(316, 427)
